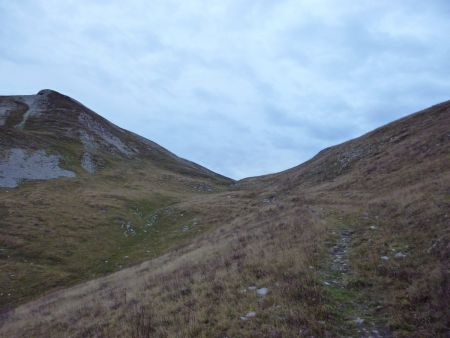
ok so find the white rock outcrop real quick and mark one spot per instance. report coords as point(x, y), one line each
point(18, 165)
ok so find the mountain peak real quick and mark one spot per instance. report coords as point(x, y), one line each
point(47, 92)
point(40, 130)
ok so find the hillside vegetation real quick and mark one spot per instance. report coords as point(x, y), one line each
point(354, 242)
point(122, 204)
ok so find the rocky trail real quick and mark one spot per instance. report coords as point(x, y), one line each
point(357, 312)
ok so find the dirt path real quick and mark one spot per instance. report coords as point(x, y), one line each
point(356, 312)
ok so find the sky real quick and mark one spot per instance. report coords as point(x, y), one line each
point(243, 87)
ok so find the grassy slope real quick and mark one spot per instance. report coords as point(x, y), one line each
point(58, 233)
point(279, 232)
point(85, 234)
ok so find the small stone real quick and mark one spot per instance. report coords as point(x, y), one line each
point(250, 314)
point(251, 288)
point(400, 255)
point(384, 258)
point(359, 321)
point(326, 283)
point(262, 292)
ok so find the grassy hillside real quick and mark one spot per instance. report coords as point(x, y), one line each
point(352, 243)
point(57, 233)
point(127, 209)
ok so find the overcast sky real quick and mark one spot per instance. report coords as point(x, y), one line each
point(243, 87)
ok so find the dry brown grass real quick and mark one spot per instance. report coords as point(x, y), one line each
point(197, 290)
point(201, 289)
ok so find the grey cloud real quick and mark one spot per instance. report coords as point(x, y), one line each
point(242, 87)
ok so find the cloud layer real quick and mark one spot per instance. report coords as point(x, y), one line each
point(242, 87)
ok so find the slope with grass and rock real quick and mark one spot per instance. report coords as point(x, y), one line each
point(81, 197)
point(354, 242)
